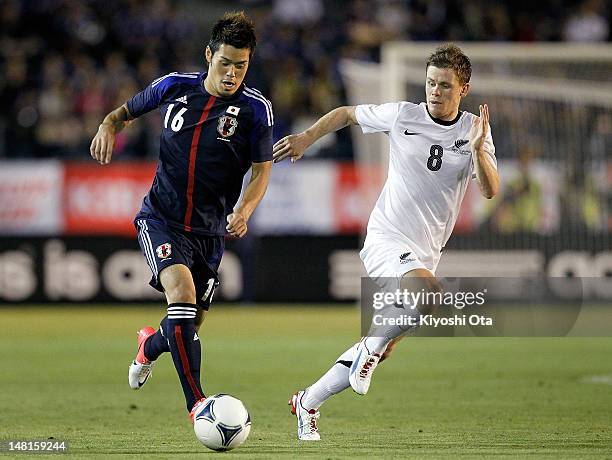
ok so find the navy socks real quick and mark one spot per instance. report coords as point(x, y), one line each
point(184, 345)
point(157, 343)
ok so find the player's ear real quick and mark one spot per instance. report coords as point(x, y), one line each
point(465, 90)
point(209, 54)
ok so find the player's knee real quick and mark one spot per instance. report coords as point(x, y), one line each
point(180, 292)
point(433, 296)
point(178, 284)
point(430, 289)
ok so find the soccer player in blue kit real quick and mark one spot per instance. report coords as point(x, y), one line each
point(214, 130)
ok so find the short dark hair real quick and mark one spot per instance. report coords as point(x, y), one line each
point(234, 29)
point(450, 56)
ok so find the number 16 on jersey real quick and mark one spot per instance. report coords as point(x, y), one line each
point(177, 121)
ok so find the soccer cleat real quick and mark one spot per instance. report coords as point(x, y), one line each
point(195, 408)
point(360, 374)
point(307, 429)
point(141, 367)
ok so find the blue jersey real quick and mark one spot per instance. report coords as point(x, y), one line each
point(207, 145)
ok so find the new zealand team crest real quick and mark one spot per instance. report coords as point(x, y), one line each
point(227, 125)
point(164, 250)
point(459, 147)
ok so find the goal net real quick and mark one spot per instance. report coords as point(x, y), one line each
point(551, 119)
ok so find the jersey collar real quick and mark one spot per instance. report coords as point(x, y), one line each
point(444, 122)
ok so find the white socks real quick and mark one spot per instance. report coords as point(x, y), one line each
point(333, 381)
point(376, 344)
point(336, 379)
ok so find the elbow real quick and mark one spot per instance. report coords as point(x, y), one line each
point(351, 117)
point(490, 187)
point(491, 191)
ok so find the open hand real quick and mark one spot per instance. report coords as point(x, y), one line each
point(480, 129)
point(292, 146)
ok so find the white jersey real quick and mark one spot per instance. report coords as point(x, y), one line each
point(430, 164)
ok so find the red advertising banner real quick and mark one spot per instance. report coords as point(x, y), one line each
point(315, 198)
point(104, 199)
point(30, 195)
point(356, 189)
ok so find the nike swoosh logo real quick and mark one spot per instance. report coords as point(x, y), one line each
point(410, 134)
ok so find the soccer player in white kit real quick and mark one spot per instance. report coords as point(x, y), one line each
point(435, 149)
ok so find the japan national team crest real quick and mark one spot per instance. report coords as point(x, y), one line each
point(164, 250)
point(227, 125)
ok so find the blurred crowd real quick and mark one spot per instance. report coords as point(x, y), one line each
point(66, 63)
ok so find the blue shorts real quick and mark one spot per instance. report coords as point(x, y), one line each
point(164, 246)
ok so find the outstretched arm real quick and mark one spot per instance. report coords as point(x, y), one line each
point(101, 148)
point(486, 174)
point(253, 193)
point(293, 146)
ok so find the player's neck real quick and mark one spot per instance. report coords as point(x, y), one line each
point(209, 87)
point(446, 120)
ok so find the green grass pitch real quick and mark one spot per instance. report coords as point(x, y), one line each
point(63, 374)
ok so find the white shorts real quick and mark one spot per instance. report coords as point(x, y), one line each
point(388, 257)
